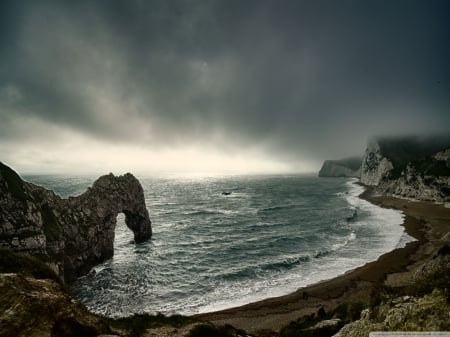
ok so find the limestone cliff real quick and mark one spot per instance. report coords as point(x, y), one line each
point(374, 164)
point(427, 179)
point(349, 167)
point(406, 167)
point(383, 155)
point(71, 235)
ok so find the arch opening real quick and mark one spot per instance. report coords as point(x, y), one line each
point(123, 235)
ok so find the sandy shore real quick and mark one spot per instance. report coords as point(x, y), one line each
point(426, 222)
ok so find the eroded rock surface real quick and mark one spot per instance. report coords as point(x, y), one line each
point(374, 165)
point(405, 167)
point(72, 235)
point(39, 307)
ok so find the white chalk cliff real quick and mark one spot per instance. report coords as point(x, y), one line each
point(409, 167)
point(374, 165)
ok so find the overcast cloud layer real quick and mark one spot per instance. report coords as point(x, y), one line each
point(295, 82)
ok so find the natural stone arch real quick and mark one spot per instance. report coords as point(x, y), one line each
point(71, 235)
point(91, 239)
point(122, 233)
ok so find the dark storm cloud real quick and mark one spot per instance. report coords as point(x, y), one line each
point(301, 78)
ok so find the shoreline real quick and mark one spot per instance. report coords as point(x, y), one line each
point(426, 222)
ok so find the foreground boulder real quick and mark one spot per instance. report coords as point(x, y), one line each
point(71, 235)
point(39, 307)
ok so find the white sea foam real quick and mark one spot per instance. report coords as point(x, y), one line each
point(390, 235)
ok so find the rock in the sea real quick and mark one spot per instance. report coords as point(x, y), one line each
point(71, 235)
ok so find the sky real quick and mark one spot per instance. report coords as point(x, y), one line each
point(216, 86)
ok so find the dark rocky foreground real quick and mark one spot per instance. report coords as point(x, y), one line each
point(71, 235)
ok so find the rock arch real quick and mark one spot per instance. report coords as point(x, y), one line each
point(90, 239)
point(71, 235)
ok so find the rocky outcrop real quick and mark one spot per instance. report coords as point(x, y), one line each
point(443, 156)
point(415, 183)
point(423, 306)
point(406, 167)
point(384, 156)
point(374, 164)
point(71, 235)
point(27, 222)
point(349, 167)
point(39, 307)
point(408, 313)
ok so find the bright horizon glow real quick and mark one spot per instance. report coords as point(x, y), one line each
point(122, 159)
point(53, 149)
point(75, 153)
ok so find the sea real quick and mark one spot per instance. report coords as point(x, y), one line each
point(224, 241)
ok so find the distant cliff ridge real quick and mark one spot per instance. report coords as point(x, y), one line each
point(348, 167)
point(407, 167)
point(72, 235)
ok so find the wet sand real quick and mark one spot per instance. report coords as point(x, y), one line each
point(426, 222)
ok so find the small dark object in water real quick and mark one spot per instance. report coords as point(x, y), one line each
point(226, 193)
point(353, 217)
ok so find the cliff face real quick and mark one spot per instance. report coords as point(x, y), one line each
point(27, 222)
point(427, 179)
point(349, 167)
point(407, 167)
point(374, 164)
point(71, 235)
point(384, 156)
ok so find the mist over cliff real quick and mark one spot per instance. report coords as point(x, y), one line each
point(415, 167)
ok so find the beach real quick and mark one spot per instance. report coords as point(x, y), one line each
point(427, 222)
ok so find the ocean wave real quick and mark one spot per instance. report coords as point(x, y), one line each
point(288, 263)
point(278, 208)
point(203, 212)
point(339, 245)
point(354, 215)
